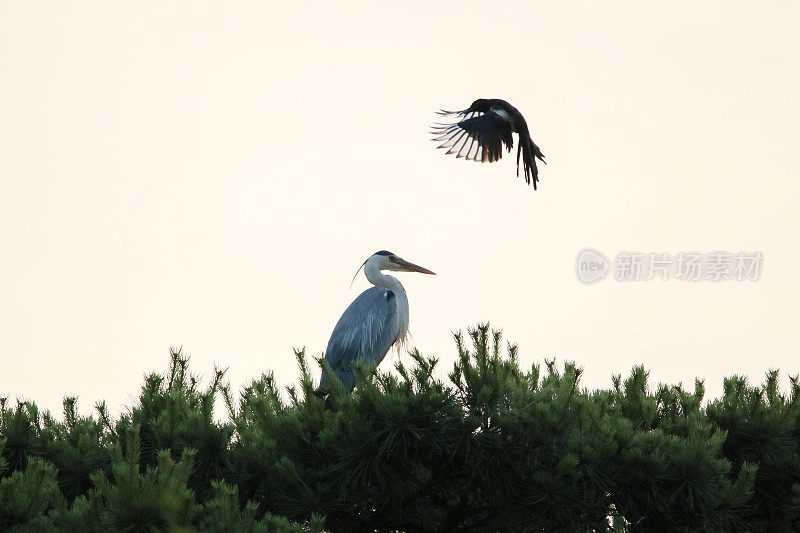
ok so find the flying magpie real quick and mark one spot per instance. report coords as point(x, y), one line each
point(482, 130)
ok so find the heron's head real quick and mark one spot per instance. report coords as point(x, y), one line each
point(384, 260)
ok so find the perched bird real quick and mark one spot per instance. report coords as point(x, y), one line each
point(374, 322)
point(482, 130)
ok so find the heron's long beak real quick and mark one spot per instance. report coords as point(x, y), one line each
point(411, 267)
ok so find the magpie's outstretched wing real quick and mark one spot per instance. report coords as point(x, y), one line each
point(478, 136)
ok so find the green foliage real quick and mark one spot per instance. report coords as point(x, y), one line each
point(493, 448)
point(763, 428)
point(27, 494)
point(144, 501)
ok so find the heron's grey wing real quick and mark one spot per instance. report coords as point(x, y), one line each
point(479, 137)
point(366, 330)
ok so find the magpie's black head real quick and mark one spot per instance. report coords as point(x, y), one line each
point(481, 104)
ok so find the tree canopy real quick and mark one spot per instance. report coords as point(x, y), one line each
point(492, 448)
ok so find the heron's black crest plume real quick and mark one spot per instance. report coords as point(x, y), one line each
point(357, 271)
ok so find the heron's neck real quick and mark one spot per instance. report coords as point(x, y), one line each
point(376, 277)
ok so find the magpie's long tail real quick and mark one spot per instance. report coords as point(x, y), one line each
point(529, 152)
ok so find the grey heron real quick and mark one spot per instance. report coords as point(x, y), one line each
point(375, 321)
point(482, 130)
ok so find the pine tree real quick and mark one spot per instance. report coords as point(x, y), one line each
point(493, 447)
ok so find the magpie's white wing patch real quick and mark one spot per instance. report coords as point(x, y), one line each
point(476, 137)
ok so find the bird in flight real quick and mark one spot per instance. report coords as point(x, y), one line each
point(375, 321)
point(482, 130)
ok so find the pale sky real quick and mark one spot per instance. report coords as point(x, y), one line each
point(211, 175)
